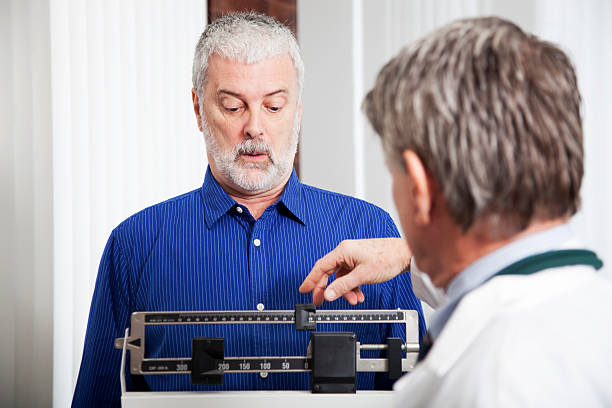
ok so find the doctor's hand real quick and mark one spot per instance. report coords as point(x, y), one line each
point(356, 262)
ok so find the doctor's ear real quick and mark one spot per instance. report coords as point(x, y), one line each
point(423, 188)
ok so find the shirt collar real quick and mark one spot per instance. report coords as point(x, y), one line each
point(217, 202)
point(293, 199)
point(484, 268)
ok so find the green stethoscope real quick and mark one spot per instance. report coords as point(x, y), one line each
point(552, 259)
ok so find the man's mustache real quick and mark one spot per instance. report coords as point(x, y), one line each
point(252, 146)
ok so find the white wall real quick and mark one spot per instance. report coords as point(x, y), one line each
point(97, 123)
point(584, 29)
point(328, 125)
point(124, 137)
point(26, 246)
point(346, 42)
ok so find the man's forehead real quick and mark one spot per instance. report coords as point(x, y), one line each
point(267, 75)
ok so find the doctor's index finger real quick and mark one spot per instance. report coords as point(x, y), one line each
point(315, 276)
point(325, 266)
point(348, 284)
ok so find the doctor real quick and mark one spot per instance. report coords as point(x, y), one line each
point(481, 127)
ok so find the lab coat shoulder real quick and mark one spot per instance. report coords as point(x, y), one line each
point(517, 341)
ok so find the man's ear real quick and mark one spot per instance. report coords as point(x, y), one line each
point(299, 116)
point(421, 185)
point(196, 107)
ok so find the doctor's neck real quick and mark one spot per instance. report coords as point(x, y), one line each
point(457, 250)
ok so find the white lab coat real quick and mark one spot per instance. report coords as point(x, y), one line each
point(540, 340)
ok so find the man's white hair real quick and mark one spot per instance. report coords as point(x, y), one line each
point(245, 37)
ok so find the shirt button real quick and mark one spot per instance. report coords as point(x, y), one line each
point(260, 307)
point(239, 210)
point(256, 242)
point(263, 375)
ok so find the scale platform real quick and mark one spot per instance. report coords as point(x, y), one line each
point(256, 399)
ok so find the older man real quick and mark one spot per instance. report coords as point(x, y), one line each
point(481, 127)
point(245, 240)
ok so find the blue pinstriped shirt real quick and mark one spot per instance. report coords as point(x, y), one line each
point(203, 251)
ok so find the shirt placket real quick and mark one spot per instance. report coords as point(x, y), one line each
point(257, 265)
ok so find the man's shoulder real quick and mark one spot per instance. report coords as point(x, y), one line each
point(157, 214)
point(342, 201)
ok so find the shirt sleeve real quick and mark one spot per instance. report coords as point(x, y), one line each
point(98, 382)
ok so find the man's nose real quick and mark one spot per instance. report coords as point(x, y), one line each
point(254, 125)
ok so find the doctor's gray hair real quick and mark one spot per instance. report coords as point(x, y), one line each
point(494, 115)
point(246, 37)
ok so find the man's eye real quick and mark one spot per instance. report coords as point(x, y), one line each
point(232, 109)
point(274, 109)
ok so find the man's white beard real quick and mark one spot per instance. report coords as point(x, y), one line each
point(249, 176)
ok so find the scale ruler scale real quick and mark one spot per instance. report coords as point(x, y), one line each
point(280, 316)
point(229, 365)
